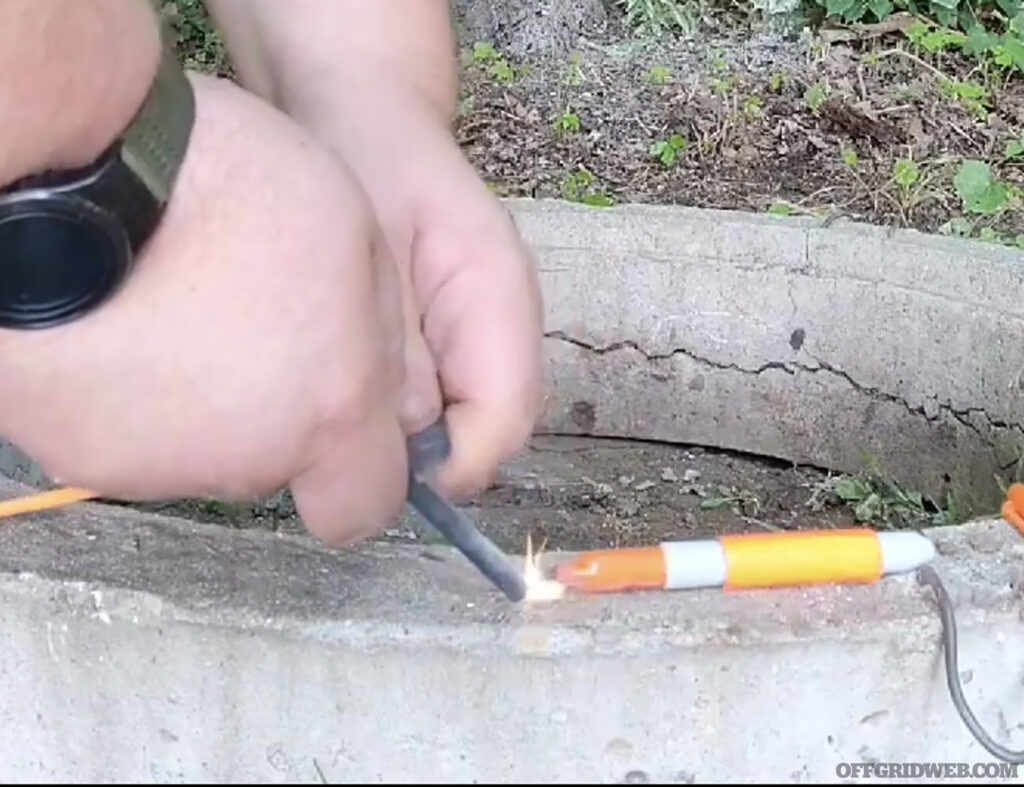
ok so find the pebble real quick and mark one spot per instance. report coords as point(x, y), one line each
point(668, 474)
point(644, 485)
point(691, 475)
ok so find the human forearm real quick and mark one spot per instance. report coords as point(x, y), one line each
point(72, 75)
point(307, 54)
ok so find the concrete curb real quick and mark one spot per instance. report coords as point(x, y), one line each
point(145, 648)
point(780, 337)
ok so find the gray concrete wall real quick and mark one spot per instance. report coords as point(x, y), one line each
point(780, 337)
point(141, 648)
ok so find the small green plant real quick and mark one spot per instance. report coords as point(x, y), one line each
point(934, 41)
point(753, 107)
point(910, 183)
point(567, 123)
point(979, 191)
point(905, 173)
point(974, 97)
point(659, 75)
point(777, 81)
point(1014, 149)
point(991, 31)
point(502, 71)
point(874, 497)
point(658, 17)
point(719, 65)
point(849, 155)
point(721, 86)
point(578, 188)
point(667, 150)
point(780, 209)
point(484, 52)
point(990, 235)
point(498, 67)
point(816, 95)
point(199, 44)
point(739, 501)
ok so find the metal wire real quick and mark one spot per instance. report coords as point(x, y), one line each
point(926, 575)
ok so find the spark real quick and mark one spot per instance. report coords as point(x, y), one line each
point(539, 587)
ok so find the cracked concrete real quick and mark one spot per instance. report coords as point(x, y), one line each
point(778, 337)
point(784, 338)
point(144, 648)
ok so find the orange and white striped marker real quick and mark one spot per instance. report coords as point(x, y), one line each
point(751, 560)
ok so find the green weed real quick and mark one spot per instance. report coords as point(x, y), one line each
point(578, 187)
point(876, 498)
point(991, 31)
point(567, 123)
point(816, 95)
point(497, 65)
point(974, 97)
point(659, 75)
point(979, 191)
point(658, 17)
point(667, 150)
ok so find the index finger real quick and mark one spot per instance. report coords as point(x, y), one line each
point(485, 325)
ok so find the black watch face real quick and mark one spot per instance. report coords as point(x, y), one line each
point(58, 260)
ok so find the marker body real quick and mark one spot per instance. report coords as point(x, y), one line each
point(754, 560)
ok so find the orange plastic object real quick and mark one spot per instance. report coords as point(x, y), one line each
point(615, 570)
point(44, 501)
point(1013, 507)
point(793, 558)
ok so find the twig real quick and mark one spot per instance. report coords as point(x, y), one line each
point(887, 110)
point(319, 772)
point(916, 59)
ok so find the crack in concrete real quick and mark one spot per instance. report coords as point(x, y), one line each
point(961, 416)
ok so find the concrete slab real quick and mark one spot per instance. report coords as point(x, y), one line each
point(145, 648)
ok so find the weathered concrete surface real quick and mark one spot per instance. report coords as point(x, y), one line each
point(158, 650)
point(784, 338)
point(779, 337)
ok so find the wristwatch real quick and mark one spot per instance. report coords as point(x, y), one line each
point(69, 238)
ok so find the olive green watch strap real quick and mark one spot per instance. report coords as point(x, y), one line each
point(154, 144)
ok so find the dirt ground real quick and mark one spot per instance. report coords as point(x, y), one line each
point(863, 128)
point(853, 123)
point(579, 493)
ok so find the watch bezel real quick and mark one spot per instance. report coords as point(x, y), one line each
point(60, 204)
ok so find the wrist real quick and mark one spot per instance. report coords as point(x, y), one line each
point(357, 104)
point(70, 108)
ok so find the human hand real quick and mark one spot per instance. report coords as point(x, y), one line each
point(471, 279)
point(256, 345)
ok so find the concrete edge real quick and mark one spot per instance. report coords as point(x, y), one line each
point(115, 564)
